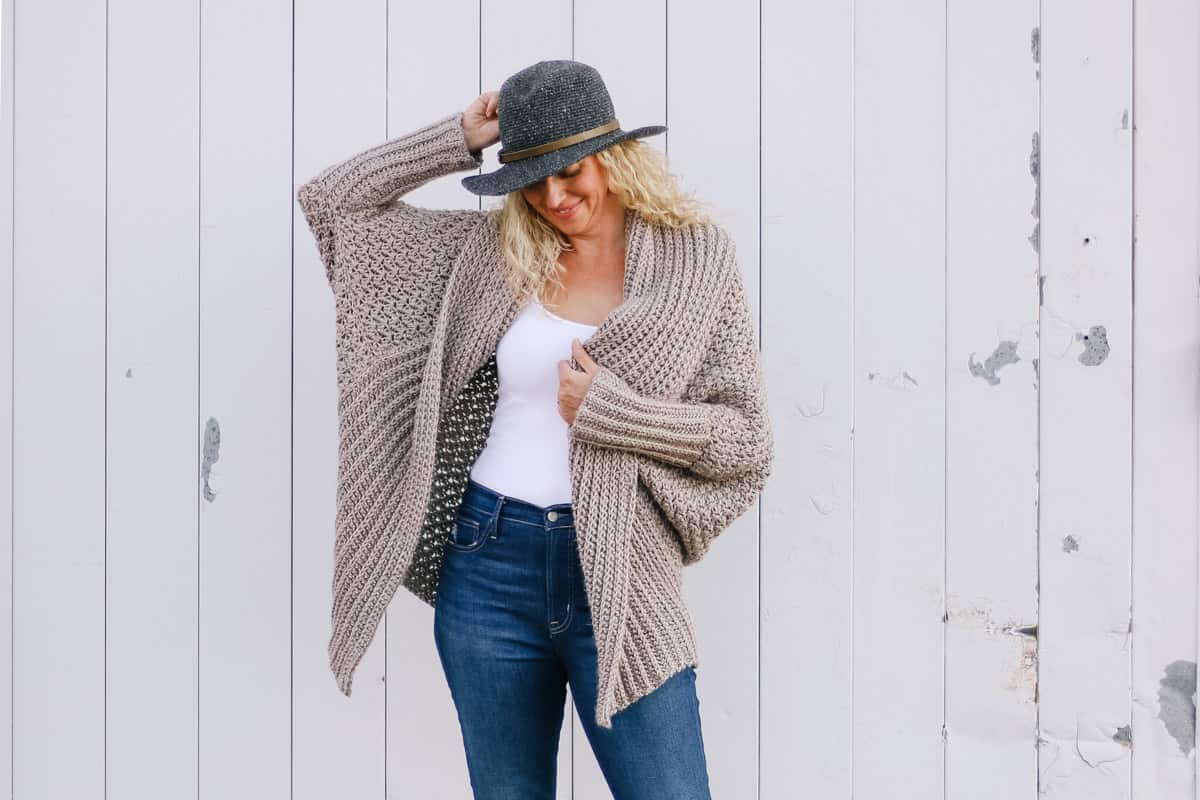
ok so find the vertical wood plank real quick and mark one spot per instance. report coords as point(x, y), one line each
point(713, 114)
point(425, 754)
point(7, 744)
point(151, 618)
point(899, 398)
point(1086, 388)
point(992, 353)
point(806, 605)
point(1166, 343)
point(58, 397)
point(245, 399)
point(339, 748)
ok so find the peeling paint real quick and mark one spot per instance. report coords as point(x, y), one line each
point(1124, 736)
point(1095, 346)
point(1035, 45)
point(807, 411)
point(1023, 676)
point(1070, 544)
point(1004, 354)
point(1035, 171)
point(823, 504)
point(1177, 703)
point(1035, 158)
point(1093, 746)
point(1043, 744)
point(210, 454)
point(903, 382)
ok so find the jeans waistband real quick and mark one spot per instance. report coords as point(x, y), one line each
point(488, 501)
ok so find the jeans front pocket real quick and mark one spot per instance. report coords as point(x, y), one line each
point(469, 532)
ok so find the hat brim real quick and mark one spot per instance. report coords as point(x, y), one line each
point(519, 174)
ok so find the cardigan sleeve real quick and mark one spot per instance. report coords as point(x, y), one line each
point(371, 180)
point(725, 434)
point(703, 463)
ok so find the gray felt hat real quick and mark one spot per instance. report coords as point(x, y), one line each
point(552, 114)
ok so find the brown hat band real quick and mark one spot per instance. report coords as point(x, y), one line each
point(558, 144)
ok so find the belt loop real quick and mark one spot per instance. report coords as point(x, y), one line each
point(496, 517)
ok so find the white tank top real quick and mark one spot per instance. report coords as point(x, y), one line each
point(526, 451)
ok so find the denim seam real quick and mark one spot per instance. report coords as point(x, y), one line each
point(566, 623)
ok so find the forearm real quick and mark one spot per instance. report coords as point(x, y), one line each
point(713, 440)
point(613, 415)
point(396, 167)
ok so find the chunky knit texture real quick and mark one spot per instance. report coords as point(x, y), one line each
point(670, 445)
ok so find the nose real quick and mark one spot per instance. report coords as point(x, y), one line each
point(555, 195)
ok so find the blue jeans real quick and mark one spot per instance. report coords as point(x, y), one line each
point(513, 627)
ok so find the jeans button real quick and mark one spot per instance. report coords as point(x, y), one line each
point(552, 516)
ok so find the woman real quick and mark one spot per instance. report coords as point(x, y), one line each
point(546, 411)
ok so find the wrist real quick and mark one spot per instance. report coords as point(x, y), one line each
point(472, 145)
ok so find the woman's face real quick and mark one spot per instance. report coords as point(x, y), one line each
point(580, 190)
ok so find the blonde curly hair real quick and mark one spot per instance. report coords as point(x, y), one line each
point(637, 173)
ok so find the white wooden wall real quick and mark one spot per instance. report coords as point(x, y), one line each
point(971, 231)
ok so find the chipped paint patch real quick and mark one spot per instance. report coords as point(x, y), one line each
point(1004, 354)
point(1095, 742)
point(1022, 676)
point(210, 454)
point(901, 381)
point(1095, 346)
point(1124, 736)
point(1070, 544)
point(1035, 171)
point(1177, 703)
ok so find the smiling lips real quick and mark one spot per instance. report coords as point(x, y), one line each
point(567, 213)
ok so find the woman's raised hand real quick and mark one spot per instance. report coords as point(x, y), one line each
point(481, 121)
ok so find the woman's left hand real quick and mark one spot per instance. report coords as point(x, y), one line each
point(573, 384)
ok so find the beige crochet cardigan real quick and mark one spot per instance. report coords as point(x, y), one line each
point(670, 445)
